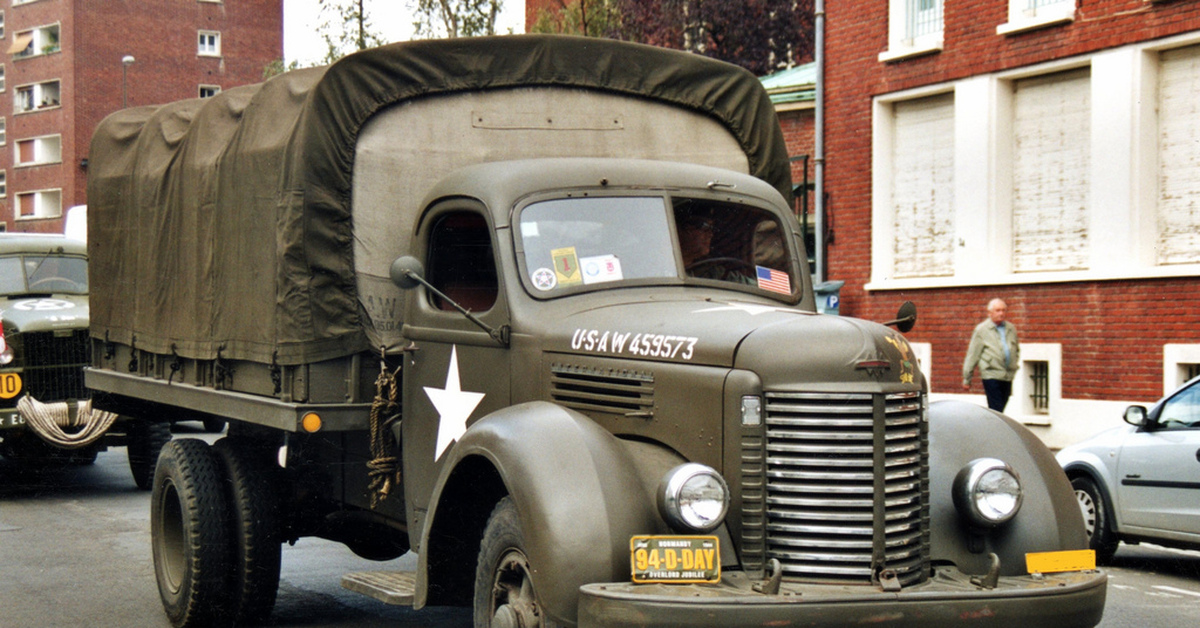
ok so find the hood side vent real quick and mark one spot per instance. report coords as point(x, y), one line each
point(618, 391)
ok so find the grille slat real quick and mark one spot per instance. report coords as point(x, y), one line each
point(822, 487)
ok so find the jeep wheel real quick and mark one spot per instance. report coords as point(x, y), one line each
point(145, 441)
point(504, 595)
point(1101, 537)
point(189, 535)
point(255, 518)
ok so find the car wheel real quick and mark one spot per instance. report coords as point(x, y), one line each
point(255, 515)
point(504, 593)
point(1093, 506)
point(189, 534)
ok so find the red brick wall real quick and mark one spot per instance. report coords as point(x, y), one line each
point(94, 36)
point(1111, 332)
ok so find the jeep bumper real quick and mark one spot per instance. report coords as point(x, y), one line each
point(947, 599)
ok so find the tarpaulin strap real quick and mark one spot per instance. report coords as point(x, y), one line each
point(48, 420)
point(384, 467)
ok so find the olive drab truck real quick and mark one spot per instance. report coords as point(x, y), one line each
point(46, 416)
point(536, 309)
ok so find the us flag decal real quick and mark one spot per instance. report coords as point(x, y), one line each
point(774, 280)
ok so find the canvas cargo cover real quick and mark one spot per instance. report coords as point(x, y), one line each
point(224, 227)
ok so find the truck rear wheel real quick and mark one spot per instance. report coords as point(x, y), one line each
point(255, 518)
point(504, 595)
point(189, 535)
point(145, 441)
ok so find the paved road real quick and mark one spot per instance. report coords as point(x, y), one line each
point(75, 552)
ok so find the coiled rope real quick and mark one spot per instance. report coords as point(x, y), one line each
point(384, 467)
point(47, 420)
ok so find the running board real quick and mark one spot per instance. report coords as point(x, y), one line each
point(390, 587)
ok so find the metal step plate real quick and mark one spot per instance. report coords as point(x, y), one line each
point(390, 587)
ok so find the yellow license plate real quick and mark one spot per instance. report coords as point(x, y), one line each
point(10, 385)
point(1053, 562)
point(675, 559)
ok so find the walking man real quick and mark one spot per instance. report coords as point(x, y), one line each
point(994, 349)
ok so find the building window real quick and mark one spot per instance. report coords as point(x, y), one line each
point(3, 131)
point(208, 91)
point(38, 151)
point(1037, 387)
point(923, 190)
point(1181, 364)
point(1, 77)
point(31, 43)
point(39, 204)
point(3, 184)
point(1024, 15)
point(209, 44)
point(36, 96)
point(914, 28)
point(2, 24)
point(1178, 152)
point(1051, 155)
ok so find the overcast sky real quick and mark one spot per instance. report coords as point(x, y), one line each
point(301, 19)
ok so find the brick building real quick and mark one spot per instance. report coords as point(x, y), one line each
point(63, 70)
point(1043, 151)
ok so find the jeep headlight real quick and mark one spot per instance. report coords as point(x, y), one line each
point(693, 497)
point(987, 492)
point(6, 352)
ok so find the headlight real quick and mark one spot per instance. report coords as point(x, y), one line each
point(987, 492)
point(6, 352)
point(693, 497)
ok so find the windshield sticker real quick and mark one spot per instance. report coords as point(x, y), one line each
point(645, 345)
point(566, 266)
point(773, 280)
point(600, 268)
point(529, 230)
point(543, 279)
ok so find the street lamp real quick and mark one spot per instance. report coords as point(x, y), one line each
point(126, 61)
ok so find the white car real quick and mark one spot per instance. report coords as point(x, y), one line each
point(1141, 482)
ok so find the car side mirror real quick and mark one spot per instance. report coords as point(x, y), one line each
point(1135, 415)
point(407, 272)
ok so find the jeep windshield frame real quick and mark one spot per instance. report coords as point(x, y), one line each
point(586, 242)
point(40, 273)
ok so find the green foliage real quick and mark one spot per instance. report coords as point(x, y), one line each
point(455, 18)
point(277, 67)
point(593, 18)
point(346, 28)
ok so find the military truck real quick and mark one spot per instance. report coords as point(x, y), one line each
point(536, 309)
point(46, 417)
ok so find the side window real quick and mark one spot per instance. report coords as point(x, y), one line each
point(461, 264)
point(1181, 411)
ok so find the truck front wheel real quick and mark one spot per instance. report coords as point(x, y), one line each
point(189, 534)
point(504, 594)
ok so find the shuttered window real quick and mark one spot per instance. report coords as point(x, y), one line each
point(1051, 160)
point(923, 187)
point(1179, 157)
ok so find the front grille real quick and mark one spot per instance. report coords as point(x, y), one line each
point(53, 364)
point(847, 487)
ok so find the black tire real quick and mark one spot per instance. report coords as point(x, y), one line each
point(189, 534)
point(1093, 504)
point(504, 593)
point(145, 441)
point(255, 514)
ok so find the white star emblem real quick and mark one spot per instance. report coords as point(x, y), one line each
point(454, 406)
point(749, 308)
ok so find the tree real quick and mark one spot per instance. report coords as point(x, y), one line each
point(346, 28)
point(455, 18)
point(760, 35)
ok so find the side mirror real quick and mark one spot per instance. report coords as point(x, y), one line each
point(406, 272)
point(1135, 415)
point(906, 318)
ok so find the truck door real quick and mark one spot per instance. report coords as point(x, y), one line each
point(455, 371)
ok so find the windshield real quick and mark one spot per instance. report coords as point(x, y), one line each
point(581, 243)
point(34, 274)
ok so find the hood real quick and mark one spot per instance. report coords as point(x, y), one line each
point(782, 344)
point(32, 314)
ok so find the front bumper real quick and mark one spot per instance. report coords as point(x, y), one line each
point(948, 599)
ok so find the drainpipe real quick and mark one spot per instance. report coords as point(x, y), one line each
point(819, 141)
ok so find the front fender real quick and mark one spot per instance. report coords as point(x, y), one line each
point(1049, 518)
point(576, 487)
